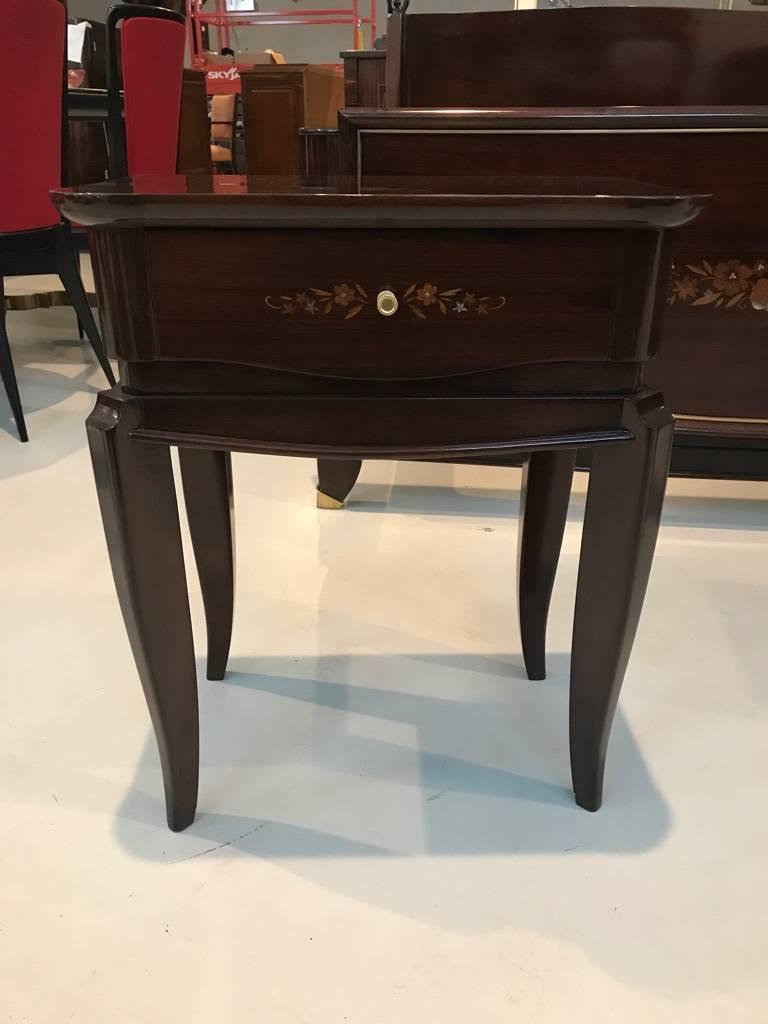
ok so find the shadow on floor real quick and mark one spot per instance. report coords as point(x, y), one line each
point(52, 437)
point(442, 797)
point(478, 769)
point(445, 499)
point(44, 342)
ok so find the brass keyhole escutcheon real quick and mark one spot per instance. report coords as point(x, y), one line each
point(386, 303)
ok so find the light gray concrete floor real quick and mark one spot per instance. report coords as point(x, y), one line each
point(386, 830)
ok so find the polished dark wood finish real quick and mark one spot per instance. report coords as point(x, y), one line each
point(320, 158)
point(364, 78)
point(590, 56)
point(194, 155)
point(662, 85)
point(621, 523)
point(364, 86)
point(201, 377)
point(544, 495)
point(122, 281)
point(141, 522)
point(283, 388)
point(718, 448)
point(585, 276)
point(335, 479)
point(209, 497)
point(520, 144)
point(87, 157)
point(712, 359)
point(393, 71)
point(446, 202)
point(279, 100)
point(359, 428)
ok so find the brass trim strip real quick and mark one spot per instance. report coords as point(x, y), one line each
point(41, 300)
point(718, 419)
point(560, 131)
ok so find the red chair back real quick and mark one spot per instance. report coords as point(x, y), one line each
point(151, 48)
point(32, 61)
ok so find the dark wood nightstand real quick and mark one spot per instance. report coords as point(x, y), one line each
point(404, 322)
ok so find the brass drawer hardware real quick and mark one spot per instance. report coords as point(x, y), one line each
point(386, 303)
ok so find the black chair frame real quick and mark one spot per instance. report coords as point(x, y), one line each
point(118, 156)
point(46, 251)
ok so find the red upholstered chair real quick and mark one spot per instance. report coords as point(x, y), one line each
point(33, 240)
point(145, 57)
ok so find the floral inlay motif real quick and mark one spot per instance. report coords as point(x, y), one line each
point(428, 298)
point(732, 284)
point(344, 299)
point(347, 300)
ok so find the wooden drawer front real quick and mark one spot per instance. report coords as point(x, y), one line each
point(307, 301)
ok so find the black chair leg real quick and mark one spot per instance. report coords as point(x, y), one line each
point(8, 373)
point(69, 272)
point(80, 331)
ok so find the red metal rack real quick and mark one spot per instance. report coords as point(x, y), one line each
point(223, 21)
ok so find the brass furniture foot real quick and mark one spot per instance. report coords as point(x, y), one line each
point(327, 502)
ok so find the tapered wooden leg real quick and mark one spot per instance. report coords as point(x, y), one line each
point(546, 489)
point(8, 373)
point(141, 522)
point(207, 480)
point(335, 479)
point(621, 523)
point(69, 272)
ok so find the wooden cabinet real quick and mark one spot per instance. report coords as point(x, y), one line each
point(365, 78)
point(561, 285)
point(278, 101)
point(194, 156)
point(712, 362)
point(673, 95)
